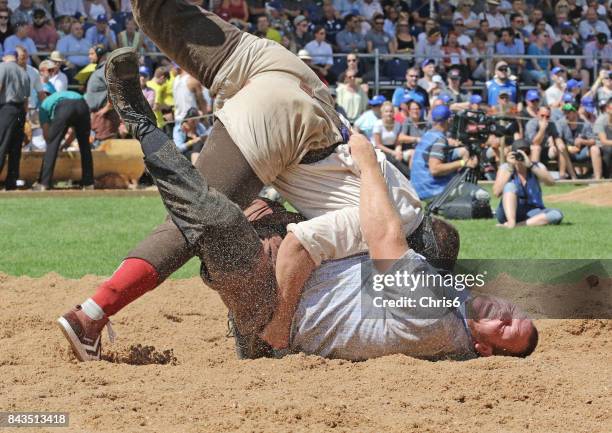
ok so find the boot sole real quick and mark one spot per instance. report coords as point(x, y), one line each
point(76, 345)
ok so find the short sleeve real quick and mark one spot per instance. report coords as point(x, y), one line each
point(377, 129)
point(439, 148)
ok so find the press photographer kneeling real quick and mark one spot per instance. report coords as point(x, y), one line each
point(519, 181)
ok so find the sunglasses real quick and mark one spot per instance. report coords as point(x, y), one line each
point(351, 60)
point(413, 76)
point(544, 116)
point(4, 17)
point(504, 96)
point(503, 69)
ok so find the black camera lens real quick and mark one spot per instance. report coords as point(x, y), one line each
point(518, 156)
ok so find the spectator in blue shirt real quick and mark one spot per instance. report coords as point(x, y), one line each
point(411, 89)
point(350, 40)
point(102, 34)
point(189, 135)
point(511, 44)
point(74, 43)
point(501, 81)
point(21, 38)
point(539, 68)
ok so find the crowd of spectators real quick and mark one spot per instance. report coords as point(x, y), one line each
point(429, 57)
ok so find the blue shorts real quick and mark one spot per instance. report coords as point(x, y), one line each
point(523, 212)
point(581, 156)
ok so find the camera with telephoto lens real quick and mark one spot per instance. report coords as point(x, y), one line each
point(472, 128)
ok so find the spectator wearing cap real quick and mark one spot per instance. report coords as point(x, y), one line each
point(538, 67)
point(501, 81)
point(493, 16)
point(546, 142)
point(378, 39)
point(603, 136)
point(14, 93)
point(300, 36)
point(305, 57)
point(411, 89)
point(574, 88)
point(566, 47)
point(385, 135)
point(24, 13)
point(518, 184)
point(350, 39)
point(351, 97)
point(600, 48)
point(554, 94)
point(21, 38)
point(509, 44)
point(144, 74)
point(365, 123)
point(580, 139)
point(69, 8)
point(56, 76)
point(189, 135)
point(587, 110)
point(531, 107)
point(235, 12)
point(429, 48)
point(42, 32)
point(435, 162)
point(321, 53)
point(102, 34)
point(333, 25)
point(475, 102)
point(58, 112)
point(453, 90)
point(428, 69)
point(74, 43)
point(95, 8)
point(591, 25)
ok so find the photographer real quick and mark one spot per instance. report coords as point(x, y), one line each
point(435, 162)
point(519, 182)
point(190, 134)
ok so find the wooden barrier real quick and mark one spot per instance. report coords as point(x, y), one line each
point(120, 157)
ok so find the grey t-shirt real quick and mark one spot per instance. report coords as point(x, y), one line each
point(14, 83)
point(602, 124)
point(568, 134)
point(379, 40)
point(95, 95)
point(414, 129)
point(532, 127)
point(335, 318)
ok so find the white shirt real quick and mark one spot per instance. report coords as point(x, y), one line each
point(369, 10)
point(553, 95)
point(59, 81)
point(388, 138)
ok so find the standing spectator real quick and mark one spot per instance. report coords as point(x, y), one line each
point(494, 17)
point(74, 43)
point(321, 53)
point(538, 67)
point(235, 12)
point(591, 25)
point(57, 78)
point(501, 81)
point(159, 84)
point(566, 47)
point(554, 94)
point(42, 32)
point(600, 49)
point(511, 45)
point(36, 93)
point(69, 8)
point(546, 143)
point(188, 94)
point(430, 47)
point(351, 97)
point(131, 36)
point(102, 34)
point(21, 38)
point(365, 123)
point(301, 36)
point(369, 9)
point(518, 183)
point(14, 92)
point(411, 89)
point(95, 8)
point(350, 40)
point(6, 28)
point(386, 134)
point(104, 119)
point(58, 112)
point(580, 139)
point(603, 137)
point(377, 39)
point(333, 25)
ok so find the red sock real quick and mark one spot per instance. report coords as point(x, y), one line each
point(132, 279)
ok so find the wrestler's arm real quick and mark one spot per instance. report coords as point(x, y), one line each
point(380, 222)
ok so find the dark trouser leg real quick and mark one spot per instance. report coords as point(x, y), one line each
point(82, 128)
point(606, 156)
point(198, 40)
point(437, 241)
point(227, 171)
point(216, 230)
point(9, 124)
point(57, 130)
point(14, 156)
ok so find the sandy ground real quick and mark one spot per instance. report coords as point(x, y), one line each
point(565, 386)
point(595, 195)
